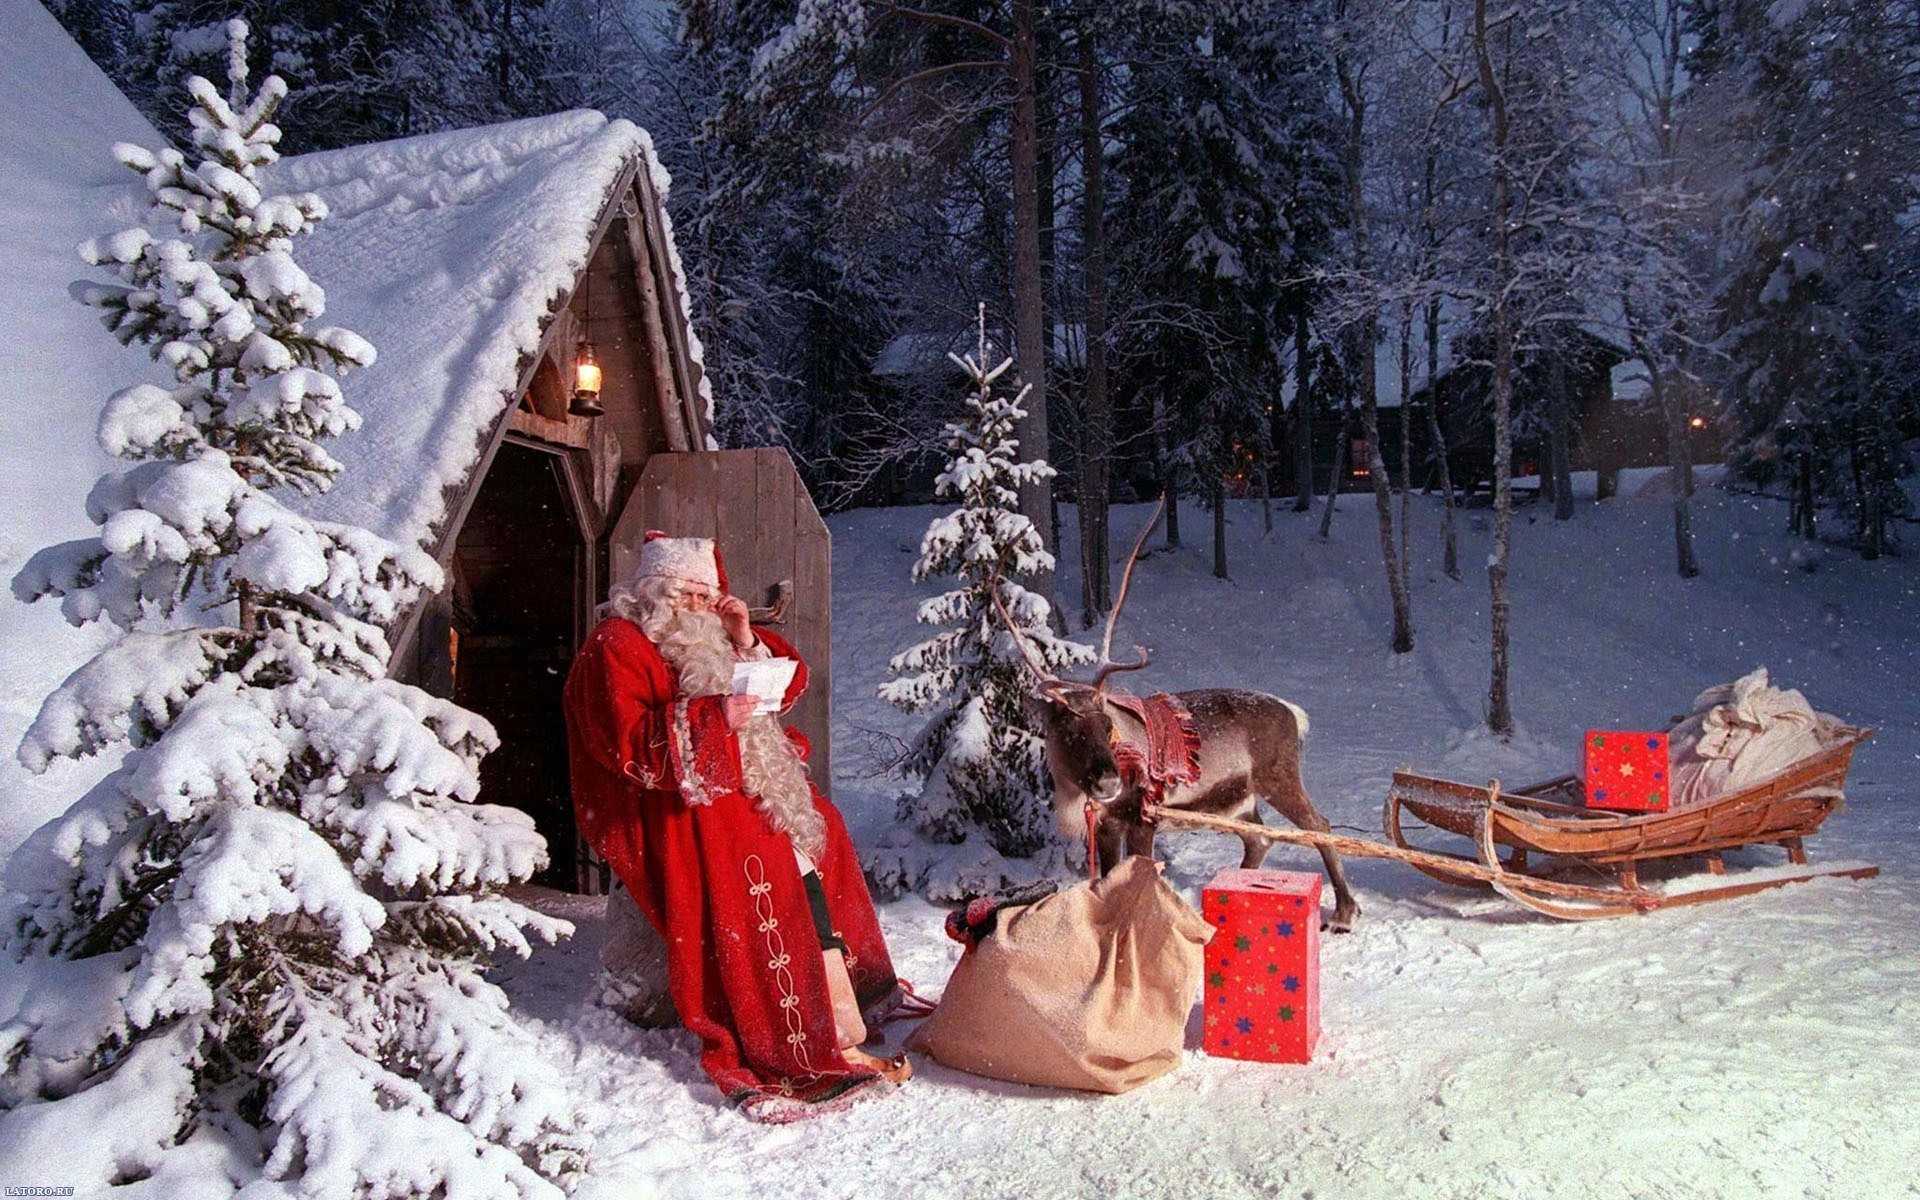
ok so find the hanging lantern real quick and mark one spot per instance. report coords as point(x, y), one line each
point(586, 382)
point(586, 368)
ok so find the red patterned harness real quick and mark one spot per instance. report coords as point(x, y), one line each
point(1170, 759)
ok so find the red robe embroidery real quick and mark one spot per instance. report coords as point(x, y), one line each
point(657, 792)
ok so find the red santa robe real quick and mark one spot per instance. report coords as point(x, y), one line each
point(658, 792)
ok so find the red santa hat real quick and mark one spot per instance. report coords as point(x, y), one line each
point(691, 559)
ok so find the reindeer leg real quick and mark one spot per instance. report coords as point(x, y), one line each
point(1346, 909)
point(1140, 839)
point(1111, 834)
point(1254, 850)
point(1297, 808)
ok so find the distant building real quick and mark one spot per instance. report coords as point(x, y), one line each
point(1614, 426)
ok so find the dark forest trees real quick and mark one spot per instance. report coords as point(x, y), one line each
point(1813, 315)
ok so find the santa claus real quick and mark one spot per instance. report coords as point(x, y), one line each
point(706, 812)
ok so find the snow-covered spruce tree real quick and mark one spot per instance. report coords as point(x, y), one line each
point(984, 791)
point(255, 947)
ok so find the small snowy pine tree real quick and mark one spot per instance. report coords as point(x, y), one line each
point(981, 766)
point(256, 947)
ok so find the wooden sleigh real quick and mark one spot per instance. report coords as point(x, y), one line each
point(1548, 835)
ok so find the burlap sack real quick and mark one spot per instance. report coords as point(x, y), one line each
point(1089, 988)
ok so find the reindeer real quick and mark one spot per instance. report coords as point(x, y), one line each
point(1249, 751)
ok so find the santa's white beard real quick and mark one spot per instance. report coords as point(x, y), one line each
point(697, 646)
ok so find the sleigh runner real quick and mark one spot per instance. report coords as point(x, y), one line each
point(1547, 833)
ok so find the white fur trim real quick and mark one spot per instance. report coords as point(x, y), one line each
point(691, 559)
point(693, 789)
point(1299, 717)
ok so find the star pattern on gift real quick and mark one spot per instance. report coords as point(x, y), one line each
point(1626, 771)
point(1260, 1002)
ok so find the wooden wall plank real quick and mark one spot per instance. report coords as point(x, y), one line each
point(810, 626)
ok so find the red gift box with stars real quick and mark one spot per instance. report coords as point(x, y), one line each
point(1262, 997)
point(1626, 771)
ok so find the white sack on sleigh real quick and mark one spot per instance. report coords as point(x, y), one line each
point(1741, 733)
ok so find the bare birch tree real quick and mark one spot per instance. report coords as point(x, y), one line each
point(1351, 66)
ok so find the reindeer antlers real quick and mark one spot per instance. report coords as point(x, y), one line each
point(1048, 681)
point(1110, 667)
point(1052, 683)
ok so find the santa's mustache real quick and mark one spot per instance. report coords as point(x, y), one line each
point(696, 627)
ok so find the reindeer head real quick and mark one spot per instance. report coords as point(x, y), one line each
point(1074, 719)
point(1073, 716)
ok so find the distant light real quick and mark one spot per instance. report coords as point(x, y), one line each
point(1697, 422)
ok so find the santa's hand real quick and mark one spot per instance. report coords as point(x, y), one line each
point(739, 708)
point(732, 611)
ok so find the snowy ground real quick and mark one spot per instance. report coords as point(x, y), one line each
point(1763, 1047)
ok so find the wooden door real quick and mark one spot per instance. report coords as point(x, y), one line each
point(752, 503)
point(516, 574)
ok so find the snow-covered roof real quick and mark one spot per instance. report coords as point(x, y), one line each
point(59, 118)
point(450, 252)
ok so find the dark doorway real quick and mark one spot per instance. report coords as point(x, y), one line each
point(516, 568)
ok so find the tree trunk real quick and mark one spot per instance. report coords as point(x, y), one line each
point(1366, 346)
point(1430, 226)
point(1169, 470)
point(1172, 493)
point(503, 64)
point(1340, 445)
point(1302, 415)
point(249, 618)
point(1499, 700)
point(1406, 455)
point(1096, 593)
point(1803, 487)
point(1450, 553)
point(1402, 640)
point(1869, 446)
point(1279, 438)
point(1219, 529)
point(1559, 453)
point(1680, 460)
point(1046, 106)
point(1030, 331)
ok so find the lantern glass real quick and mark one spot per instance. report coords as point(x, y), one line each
point(586, 383)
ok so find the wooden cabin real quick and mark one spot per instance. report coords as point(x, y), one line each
point(486, 265)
